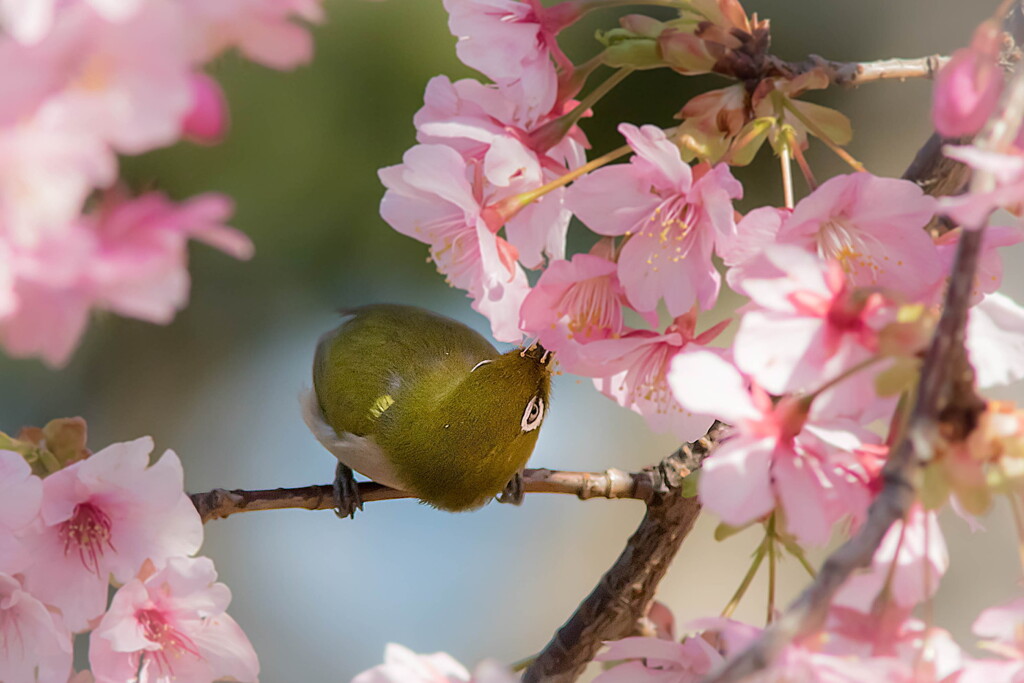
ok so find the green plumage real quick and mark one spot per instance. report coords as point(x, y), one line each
point(454, 419)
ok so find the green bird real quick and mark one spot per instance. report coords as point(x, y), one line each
point(421, 403)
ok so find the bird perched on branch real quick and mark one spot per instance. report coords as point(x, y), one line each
point(421, 403)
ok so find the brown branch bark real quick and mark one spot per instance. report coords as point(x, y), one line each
point(626, 590)
point(613, 483)
point(852, 74)
point(946, 406)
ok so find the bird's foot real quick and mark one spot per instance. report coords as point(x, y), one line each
point(346, 492)
point(514, 490)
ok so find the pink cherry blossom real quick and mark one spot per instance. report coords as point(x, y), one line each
point(21, 494)
point(129, 257)
point(124, 83)
point(402, 665)
point(909, 563)
point(574, 302)
point(172, 626)
point(207, 120)
point(874, 227)
point(46, 173)
point(777, 457)
point(658, 660)
point(269, 32)
point(1002, 630)
point(103, 516)
point(995, 340)
point(989, 274)
point(433, 196)
point(632, 370)
point(809, 325)
point(971, 209)
point(915, 650)
point(34, 645)
point(967, 88)
point(755, 232)
point(512, 43)
point(672, 220)
point(494, 134)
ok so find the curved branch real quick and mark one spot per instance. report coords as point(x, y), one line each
point(625, 592)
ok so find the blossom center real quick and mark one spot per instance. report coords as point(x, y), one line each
point(173, 643)
point(591, 306)
point(670, 228)
point(848, 245)
point(88, 533)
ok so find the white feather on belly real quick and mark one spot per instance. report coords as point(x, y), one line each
point(360, 453)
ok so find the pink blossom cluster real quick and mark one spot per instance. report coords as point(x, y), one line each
point(842, 290)
point(842, 287)
point(85, 81)
point(110, 517)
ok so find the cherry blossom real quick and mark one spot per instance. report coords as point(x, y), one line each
point(402, 665)
point(207, 119)
point(809, 324)
point(1000, 628)
point(780, 456)
point(995, 340)
point(874, 227)
point(34, 644)
point(104, 516)
point(907, 566)
point(489, 128)
point(658, 660)
point(21, 494)
point(512, 43)
point(632, 370)
point(172, 626)
point(967, 88)
point(573, 303)
point(432, 197)
point(972, 209)
point(269, 32)
point(129, 256)
point(671, 216)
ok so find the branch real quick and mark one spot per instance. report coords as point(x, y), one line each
point(945, 401)
point(625, 592)
point(613, 483)
point(852, 74)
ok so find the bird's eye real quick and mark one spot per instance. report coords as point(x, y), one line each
point(534, 414)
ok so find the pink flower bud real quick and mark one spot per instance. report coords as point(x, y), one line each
point(207, 120)
point(968, 87)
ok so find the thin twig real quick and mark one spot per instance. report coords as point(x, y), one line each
point(856, 73)
point(625, 592)
point(612, 483)
point(945, 397)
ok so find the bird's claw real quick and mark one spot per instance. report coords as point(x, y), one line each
point(346, 492)
point(514, 490)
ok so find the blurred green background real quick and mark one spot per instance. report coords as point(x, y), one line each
point(320, 597)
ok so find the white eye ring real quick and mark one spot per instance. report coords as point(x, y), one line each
point(534, 414)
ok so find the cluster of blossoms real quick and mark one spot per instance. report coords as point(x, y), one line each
point(844, 290)
point(71, 523)
point(85, 81)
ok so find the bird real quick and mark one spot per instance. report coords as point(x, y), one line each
point(422, 403)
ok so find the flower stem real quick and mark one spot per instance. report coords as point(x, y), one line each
point(747, 579)
point(845, 374)
point(1018, 520)
point(770, 540)
point(805, 168)
point(823, 136)
point(787, 176)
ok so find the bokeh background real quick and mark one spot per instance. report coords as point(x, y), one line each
point(320, 597)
